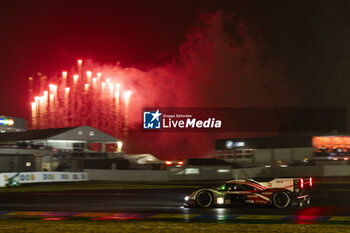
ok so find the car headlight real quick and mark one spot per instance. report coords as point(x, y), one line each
point(220, 200)
point(187, 198)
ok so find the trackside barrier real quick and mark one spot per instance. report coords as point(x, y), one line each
point(217, 173)
point(247, 173)
point(200, 173)
point(127, 175)
point(185, 173)
point(43, 177)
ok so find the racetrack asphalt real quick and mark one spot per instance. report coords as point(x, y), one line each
point(329, 199)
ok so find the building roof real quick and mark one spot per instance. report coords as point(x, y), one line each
point(36, 134)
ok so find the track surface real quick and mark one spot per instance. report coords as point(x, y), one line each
point(328, 199)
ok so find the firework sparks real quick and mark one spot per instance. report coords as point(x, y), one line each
point(86, 98)
point(126, 96)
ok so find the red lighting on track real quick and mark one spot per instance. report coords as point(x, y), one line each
point(180, 163)
point(55, 219)
point(310, 182)
point(301, 183)
point(168, 163)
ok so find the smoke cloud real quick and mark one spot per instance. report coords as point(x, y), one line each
point(220, 65)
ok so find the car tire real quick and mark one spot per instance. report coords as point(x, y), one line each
point(308, 201)
point(281, 200)
point(204, 199)
point(301, 204)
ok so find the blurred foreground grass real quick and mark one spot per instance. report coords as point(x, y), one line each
point(41, 226)
point(94, 185)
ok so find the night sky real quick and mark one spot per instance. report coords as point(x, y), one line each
point(299, 50)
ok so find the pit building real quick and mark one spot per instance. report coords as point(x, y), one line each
point(59, 149)
point(286, 149)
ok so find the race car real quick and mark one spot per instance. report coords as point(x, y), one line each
point(279, 192)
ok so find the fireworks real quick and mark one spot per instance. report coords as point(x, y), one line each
point(80, 98)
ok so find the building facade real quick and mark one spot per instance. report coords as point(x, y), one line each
point(284, 149)
point(264, 150)
point(69, 148)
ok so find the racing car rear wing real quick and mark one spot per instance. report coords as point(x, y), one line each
point(292, 184)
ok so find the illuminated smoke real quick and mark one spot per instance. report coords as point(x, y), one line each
point(213, 69)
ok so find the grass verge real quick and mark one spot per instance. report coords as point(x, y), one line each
point(40, 226)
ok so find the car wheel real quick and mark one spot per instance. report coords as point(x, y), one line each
point(204, 199)
point(281, 200)
point(301, 204)
point(308, 201)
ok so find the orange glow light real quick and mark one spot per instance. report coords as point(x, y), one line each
point(10, 122)
point(330, 142)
